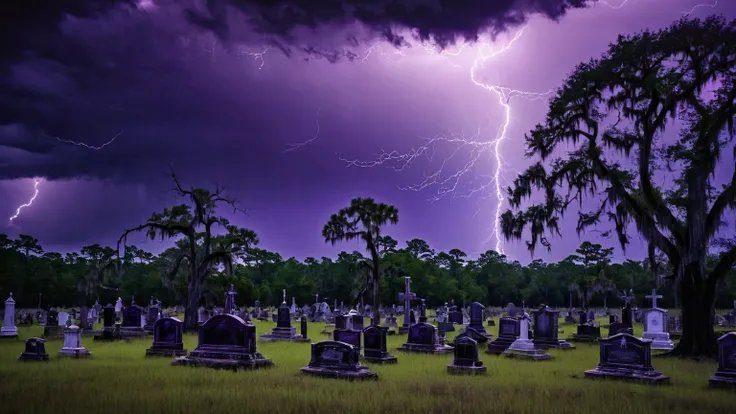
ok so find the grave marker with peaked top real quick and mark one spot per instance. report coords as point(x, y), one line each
point(466, 357)
point(283, 331)
point(334, 359)
point(374, 344)
point(167, 338)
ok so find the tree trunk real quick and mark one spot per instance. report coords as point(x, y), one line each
point(697, 298)
point(194, 293)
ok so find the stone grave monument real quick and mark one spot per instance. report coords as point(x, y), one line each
point(407, 296)
point(524, 347)
point(725, 376)
point(167, 338)
point(131, 326)
point(508, 331)
point(283, 331)
point(35, 350)
point(655, 325)
point(466, 357)
point(374, 346)
point(73, 343)
point(9, 330)
point(152, 317)
point(626, 357)
point(546, 329)
point(476, 318)
point(423, 338)
point(334, 359)
point(110, 328)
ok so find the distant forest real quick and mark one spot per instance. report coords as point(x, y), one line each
point(51, 279)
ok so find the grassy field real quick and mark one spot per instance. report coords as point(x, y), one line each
point(118, 379)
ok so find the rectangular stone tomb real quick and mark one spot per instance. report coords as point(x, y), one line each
point(508, 331)
point(226, 342)
point(374, 344)
point(655, 328)
point(348, 336)
point(334, 359)
point(35, 350)
point(283, 331)
point(546, 330)
point(72, 347)
point(167, 338)
point(110, 329)
point(725, 376)
point(466, 357)
point(476, 318)
point(626, 357)
point(131, 325)
point(52, 329)
point(423, 339)
point(587, 333)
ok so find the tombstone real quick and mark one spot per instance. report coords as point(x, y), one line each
point(511, 310)
point(617, 328)
point(569, 319)
point(283, 331)
point(230, 299)
point(293, 307)
point(626, 357)
point(98, 310)
point(466, 357)
point(52, 318)
point(119, 308)
point(476, 318)
point(356, 322)
point(348, 336)
point(63, 318)
point(35, 350)
point(226, 342)
point(9, 330)
point(167, 338)
point(334, 359)
point(627, 315)
point(591, 316)
point(423, 339)
point(612, 318)
point(153, 313)
point(407, 296)
point(303, 328)
point(582, 317)
point(341, 322)
point(655, 328)
point(108, 325)
point(546, 329)
point(455, 317)
point(374, 346)
point(725, 376)
point(586, 333)
point(523, 347)
point(131, 325)
point(508, 331)
point(73, 343)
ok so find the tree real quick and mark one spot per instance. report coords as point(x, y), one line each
point(363, 220)
point(644, 81)
point(586, 283)
point(203, 250)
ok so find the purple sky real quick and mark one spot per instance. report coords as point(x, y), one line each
point(224, 114)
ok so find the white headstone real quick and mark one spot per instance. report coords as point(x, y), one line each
point(9, 329)
point(63, 318)
point(119, 306)
point(73, 343)
point(655, 328)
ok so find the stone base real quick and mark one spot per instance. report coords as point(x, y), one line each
point(499, 345)
point(646, 377)
point(379, 358)
point(27, 356)
point(425, 349)
point(557, 344)
point(165, 352)
point(723, 381)
point(53, 332)
point(661, 345)
point(74, 352)
point(583, 338)
point(525, 349)
point(277, 337)
point(132, 332)
point(258, 361)
point(465, 370)
point(363, 373)
point(403, 330)
point(107, 335)
point(8, 332)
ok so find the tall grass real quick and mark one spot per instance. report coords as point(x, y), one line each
point(118, 379)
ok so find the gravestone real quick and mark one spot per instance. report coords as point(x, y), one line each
point(348, 336)
point(407, 296)
point(341, 322)
point(153, 313)
point(167, 338)
point(508, 331)
point(423, 339)
point(35, 350)
point(582, 317)
point(627, 315)
point(73, 343)
point(334, 359)
point(226, 342)
point(618, 327)
point(9, 330)
point(131, 326)
point(466, 357)
point(523, 347)
point(455, 317)
point(63, 318)
point(283, 331)
point(476, 318)
point(591, 316)
point(626, 357)
point(587, 333)
point(655, 329)
point(374, 346)
point(109, 330)
point(546, 330)
point(303, 328)
point(511, 310)
point(356, 322)
point(725, 376)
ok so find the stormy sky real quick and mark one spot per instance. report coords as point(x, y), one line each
point(294, 107)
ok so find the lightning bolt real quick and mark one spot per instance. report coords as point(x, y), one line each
point(92, 147)
point(30, 202)
point(697, 6)
point(292, 147)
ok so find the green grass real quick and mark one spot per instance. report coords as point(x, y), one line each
point(118, 379)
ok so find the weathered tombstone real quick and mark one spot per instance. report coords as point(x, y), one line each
point(334, 359)
point(341, 322)
point(63, 318)
point(725, 376)
point(9, 330)
point(587, 333)
point(455, 317)
point(546, 329)
point(283, 331)
point(627, 315)
point(35, 350)
point(167, 338)
point(612, 318)
point(108, 325)
point(356, 322)
point(591, 316)
point(511, 310)
point(626, 357)
point(131, 326)
point(407, 296)
point(476, 318)
point(466, 357)
point(617, 328)
point(423, 339)
point(374, 344)
point(153, 313)
point(508, 331)
point(582, 317)
point(523, 347)
point(73, 343)
point(303, 328)
point(348, 336)
point(655, 325)
point(52, 318)
point(226, 341)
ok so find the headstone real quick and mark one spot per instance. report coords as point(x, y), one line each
point(523, 347)
point(167, 338)
point(627, 315)
point(476, 317)
point(230, 299)
point(348, 336)
point(283, 331)
point(153, 314)
point(63, 318)
point(132, 326)
point(423, 339)
point(725, 376)
point(511, 310)
point(466, 357)
point(407, 296)
point(356, 322)
point(374, 344)
point(582, 317)
point(341, 322)
point(119, 307)
point(626, 357)
point(591, 316)
point(303, 327)
point(73, 343)
point(35, 350)
point(334, 359)
point(226, 341)
point(655, 328)
point(546, 329)
point(508, 331)
point(108, 325)
point(617, 328)
point(654, 296)
point(9, 330)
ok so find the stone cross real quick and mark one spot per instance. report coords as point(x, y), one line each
point(654, 296)
point(230, 299)
point(407, 297)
